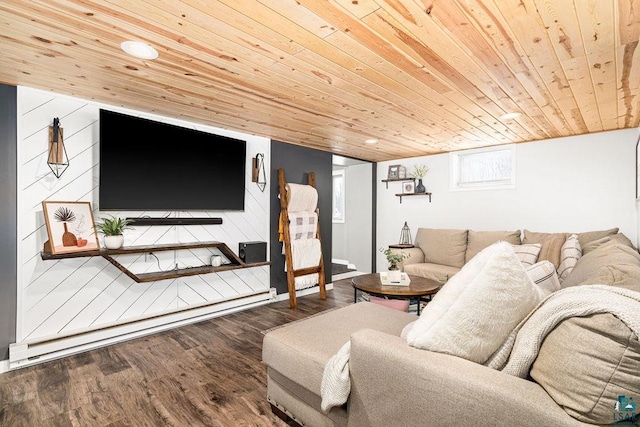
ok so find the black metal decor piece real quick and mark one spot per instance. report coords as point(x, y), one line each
point(58, 161)
point(259, 175)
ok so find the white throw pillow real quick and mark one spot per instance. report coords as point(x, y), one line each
point(570, 253)
point(478, 307)
point(544, 275)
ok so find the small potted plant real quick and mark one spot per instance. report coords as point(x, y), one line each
point(393, 258)
point(418, 172)
point(112, 229)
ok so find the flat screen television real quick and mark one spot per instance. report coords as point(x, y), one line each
point(147, 165)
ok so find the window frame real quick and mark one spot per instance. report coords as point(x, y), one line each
point(457, 157)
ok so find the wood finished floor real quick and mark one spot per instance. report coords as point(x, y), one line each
point(206, 374)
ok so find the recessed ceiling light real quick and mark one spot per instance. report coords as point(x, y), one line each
point(139, 50)
point(371, 141)
point(510, 116)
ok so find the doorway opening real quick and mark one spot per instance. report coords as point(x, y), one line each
point(352, 217)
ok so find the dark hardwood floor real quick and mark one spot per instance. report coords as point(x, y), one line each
point(206, 374)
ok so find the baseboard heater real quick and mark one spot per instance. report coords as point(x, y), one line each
point(175, 221)
point(30, 353)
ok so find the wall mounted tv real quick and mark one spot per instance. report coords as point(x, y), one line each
point(146, 165)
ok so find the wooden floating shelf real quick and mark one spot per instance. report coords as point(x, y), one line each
point(236, 262)
point(387, 181)
point(401, 195)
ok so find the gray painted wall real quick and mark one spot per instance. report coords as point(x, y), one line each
point(8, 218)
point(297, 162)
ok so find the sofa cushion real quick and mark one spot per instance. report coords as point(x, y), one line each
point(590, 236)
point(551, 245)
point(569, 256)
point(595, 244)
point(612, 263)
point(442, 246)
point(478, 240)
point(300, 350)
point(544, 275)
point(586, 363)
point(528, 254)
point(437, 272)
point(479, 306)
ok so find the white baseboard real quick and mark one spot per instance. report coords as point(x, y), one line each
point(303, 292)
point(27, 354)
point(74, 347)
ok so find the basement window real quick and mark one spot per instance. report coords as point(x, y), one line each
point(483, 169)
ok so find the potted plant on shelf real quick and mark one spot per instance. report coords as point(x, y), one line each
point(418, 172)
point(112, 229)
point(393, 258)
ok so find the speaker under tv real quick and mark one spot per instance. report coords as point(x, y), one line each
point(146, 165)
point(252, 252)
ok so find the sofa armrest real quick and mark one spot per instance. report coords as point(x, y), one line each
point(393, 383)
point(415, 256)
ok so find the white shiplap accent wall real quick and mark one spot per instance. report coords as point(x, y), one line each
point(60, 298)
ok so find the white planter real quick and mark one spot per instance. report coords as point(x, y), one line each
point(113, 242)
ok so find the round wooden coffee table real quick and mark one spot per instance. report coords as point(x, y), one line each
point(418, 288)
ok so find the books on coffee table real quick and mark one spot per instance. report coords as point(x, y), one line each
point(404, 279)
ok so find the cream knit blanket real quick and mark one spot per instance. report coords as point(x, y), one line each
point(336, 384)
point(520, 349)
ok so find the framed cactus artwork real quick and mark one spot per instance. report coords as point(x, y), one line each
point(70, 227)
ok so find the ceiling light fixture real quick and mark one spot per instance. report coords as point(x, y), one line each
point(510, 116)
point(371, 141)
point(139, 50)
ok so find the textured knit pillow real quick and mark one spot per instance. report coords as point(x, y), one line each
point(475, 311)
point(528, 254)
point(569, 256)
point(544, 275)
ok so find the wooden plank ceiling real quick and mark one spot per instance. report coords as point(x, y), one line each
point(420, 76)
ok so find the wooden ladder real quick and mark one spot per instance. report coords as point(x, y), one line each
point(291, 273)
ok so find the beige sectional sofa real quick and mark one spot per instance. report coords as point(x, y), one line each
point(440, 253)
point(574, 381)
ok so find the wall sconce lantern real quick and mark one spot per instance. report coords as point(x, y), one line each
point(405, 235)
point(258, 174)
point(58, 161)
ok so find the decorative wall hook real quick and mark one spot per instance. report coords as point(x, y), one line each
point(57, 160)
point(258, 174)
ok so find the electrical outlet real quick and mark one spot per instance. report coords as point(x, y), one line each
point(273, 293)
point(147, 255)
